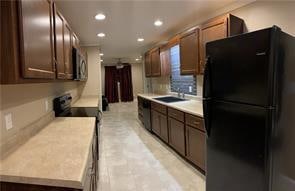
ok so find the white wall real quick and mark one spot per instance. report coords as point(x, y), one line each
point(93, 85)
point(137, 78)
point(263, 14)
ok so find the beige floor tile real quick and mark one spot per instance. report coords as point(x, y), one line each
point(131, 158)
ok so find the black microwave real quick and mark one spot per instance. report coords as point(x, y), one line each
point(79, 65)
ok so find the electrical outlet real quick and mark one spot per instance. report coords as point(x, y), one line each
point(8, 121)
point(190, 89)
point(46, 105)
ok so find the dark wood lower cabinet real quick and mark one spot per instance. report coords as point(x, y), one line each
point(195, 146)
point(176, 135)
point(184, 132)
point(8, 186)
point(164, 127)
point(156, 126)
point(140, 108)
point(159, 125)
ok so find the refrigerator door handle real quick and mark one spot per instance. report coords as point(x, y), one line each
point(207, 96)
point(207, 114)
point(206, 80)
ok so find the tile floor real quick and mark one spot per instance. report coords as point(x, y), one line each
point(133, 159)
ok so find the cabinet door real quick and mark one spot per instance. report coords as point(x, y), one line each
point(68, 52)
point(155, 62)
point(147, 64)
point(214, 30)
point(75, 40)
point(156, 128)
point(164, 127)
point(37, 39)
point(59, 45)
point(165, 62)
point(189, 53)
point(176, 135)
point(195, 146)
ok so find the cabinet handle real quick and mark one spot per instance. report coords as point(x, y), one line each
point(174, 114)
point(196, 123)
point(187, 141)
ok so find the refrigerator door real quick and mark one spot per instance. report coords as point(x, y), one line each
point(283, 144)
point(240, 69)
point(237, 147)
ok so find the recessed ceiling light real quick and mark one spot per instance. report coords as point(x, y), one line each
point(101, 34)
point(137, 59)
point(100, 54)
point(140, 39)
point(100, 16)
point(158, 23)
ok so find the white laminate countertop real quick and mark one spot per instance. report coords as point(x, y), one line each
point(193, 107)
point(89, 101)
point(56, 156)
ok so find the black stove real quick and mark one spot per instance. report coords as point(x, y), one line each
point(62, 108)
point(79, 112)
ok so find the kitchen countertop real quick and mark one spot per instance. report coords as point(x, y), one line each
point(56, 156)
point(89, 101)
point(193, 107)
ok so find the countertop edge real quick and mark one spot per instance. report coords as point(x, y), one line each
point(41, 181)
point(169, 104)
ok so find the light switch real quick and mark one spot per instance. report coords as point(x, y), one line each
point(8, 121)
point(46, 105)
point(190, 89)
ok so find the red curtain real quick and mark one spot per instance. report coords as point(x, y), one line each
point(111, 84)
point(125, 78)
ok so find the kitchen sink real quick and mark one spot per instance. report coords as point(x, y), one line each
point(169, 99)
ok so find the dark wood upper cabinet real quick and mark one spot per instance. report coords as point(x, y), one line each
point(155, 62)
point(75, 41)
point(189, 52)
point(36, 36)
point(37, 41)
point(173, 41)
point(68, 52)
point(165, 60)
point(59, 45)
point(147, 64)
point(218, 28)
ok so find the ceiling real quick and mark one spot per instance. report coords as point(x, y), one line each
point(128, 20)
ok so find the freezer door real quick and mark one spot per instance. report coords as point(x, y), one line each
point(240, 69)
point(237, 148)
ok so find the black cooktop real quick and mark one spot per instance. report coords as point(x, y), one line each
point(79, 112)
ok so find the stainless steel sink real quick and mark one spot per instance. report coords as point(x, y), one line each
point(169, 99)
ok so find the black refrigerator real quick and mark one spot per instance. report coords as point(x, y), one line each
point(249, 112)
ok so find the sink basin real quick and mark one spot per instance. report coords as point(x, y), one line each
point(169, 99)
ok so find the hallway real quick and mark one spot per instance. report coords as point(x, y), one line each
point(133, 159)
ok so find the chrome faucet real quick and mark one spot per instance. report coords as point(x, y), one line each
point(178, 92)
point(183, 95)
